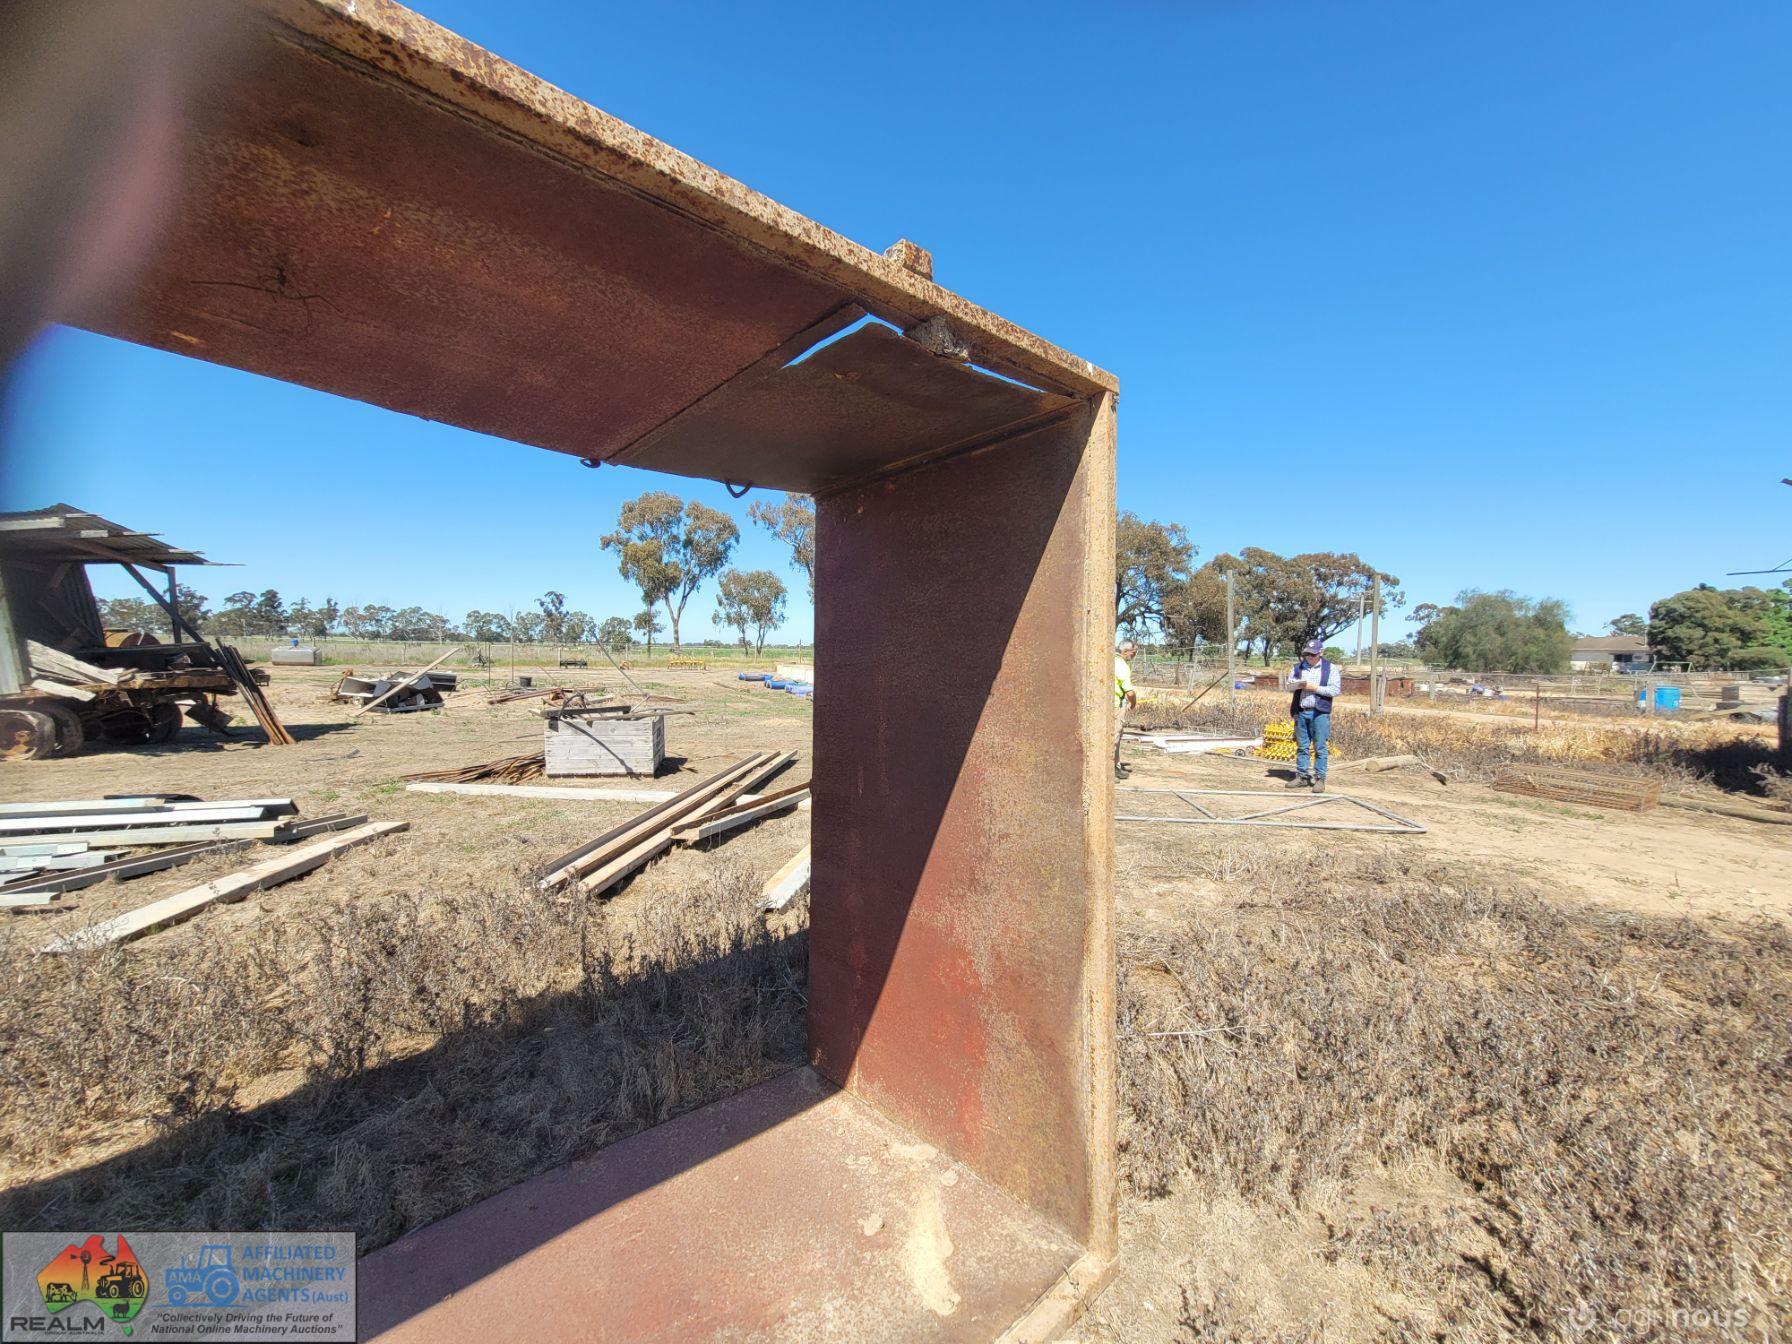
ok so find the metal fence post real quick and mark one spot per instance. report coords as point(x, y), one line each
point(1231, 651)
point(1375, 650)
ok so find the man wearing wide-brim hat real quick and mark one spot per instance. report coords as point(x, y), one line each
point(1314, 681)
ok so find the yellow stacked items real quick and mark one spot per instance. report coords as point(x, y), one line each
point(1279, 745)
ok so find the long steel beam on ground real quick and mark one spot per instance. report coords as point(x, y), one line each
point(86, 858)
point(149, 822)
point(139, 865)
point(148, 803)
point(180, 835)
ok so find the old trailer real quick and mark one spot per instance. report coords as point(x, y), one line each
point(66, 680)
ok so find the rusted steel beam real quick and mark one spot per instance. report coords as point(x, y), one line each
point(961, 948)
point(394, 39)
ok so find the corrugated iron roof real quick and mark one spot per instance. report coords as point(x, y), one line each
point(63, 532)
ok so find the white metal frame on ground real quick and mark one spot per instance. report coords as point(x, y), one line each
point(1208, 817)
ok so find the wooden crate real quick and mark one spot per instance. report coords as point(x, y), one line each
point(589, 744)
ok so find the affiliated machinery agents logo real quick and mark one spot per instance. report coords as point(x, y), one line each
point(211, 1280)
point(112, 1281)
point(191, 1287)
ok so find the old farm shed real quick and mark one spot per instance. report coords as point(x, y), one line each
point(379, 209)
point(66, 680)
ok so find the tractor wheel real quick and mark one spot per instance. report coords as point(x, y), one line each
point(220, 1287)
point(126, 726)
point(26, 735)
point(164, 721)
point(70, 736)
point(177, 1295)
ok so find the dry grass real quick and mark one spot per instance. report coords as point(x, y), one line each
point(1725, 755)
point(1607, 1099)
point(387, 1065)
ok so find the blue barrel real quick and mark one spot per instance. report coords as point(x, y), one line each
point(773, 684)
point(1667, 697)
point(752, 676)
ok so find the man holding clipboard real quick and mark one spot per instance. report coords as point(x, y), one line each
point(1314, 681)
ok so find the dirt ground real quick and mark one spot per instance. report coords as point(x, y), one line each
point(1661, 862)
point(1240, 1254)
point(1196, 1251)
point(344, 764)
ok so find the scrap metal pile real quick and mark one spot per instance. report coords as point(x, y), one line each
point(396, 692)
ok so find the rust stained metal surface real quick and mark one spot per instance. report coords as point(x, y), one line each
point(375, 207)
point(337, 229)
point(870, 401)
point(792, 1211)
point(961, 957)
point(393, 39)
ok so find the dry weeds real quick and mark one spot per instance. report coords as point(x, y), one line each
point(392, 1063)
point(1728, 756)
point(1611, 1097)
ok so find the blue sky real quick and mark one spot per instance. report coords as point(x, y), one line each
point(1495, 294)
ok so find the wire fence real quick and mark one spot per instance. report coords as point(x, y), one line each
point(1593, 691)
point(342, 650)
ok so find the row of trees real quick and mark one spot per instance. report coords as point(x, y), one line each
point(1279, 602)
point(1495, 632)
point(666, 547)
point(1744, 629)
point(267, 615)
point(1702, 628)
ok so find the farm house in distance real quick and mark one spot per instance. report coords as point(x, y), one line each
point(1611, 653)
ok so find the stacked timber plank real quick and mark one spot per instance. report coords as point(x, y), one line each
point(504, 770)
point(619, 851)
point(57, 673)
point(504, 697)
point(144, 821)
point(50, 848)
point(185, 904)
point(748, 809)
point(786, 882)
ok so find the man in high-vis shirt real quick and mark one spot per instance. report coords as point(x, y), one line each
point(1124, 698)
